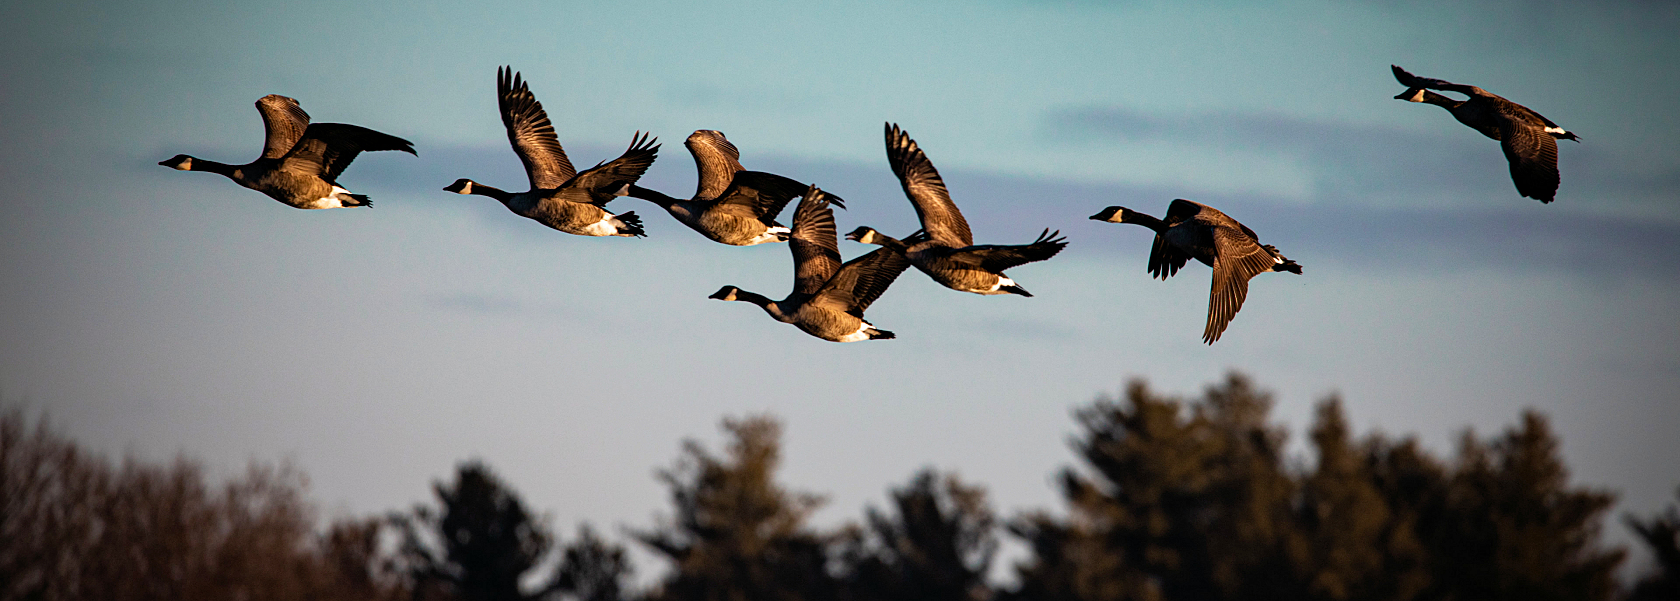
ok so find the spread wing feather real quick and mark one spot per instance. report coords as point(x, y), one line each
point(531, 133)
point(608, 180)
point(815, 247)
point(1165, 259)
point(1532, 154)
point(926, 190)
point(862, 280)
point(717, 160)
point(1413, 81)
point(764, 195)
point(998, 257)
point(1240, 257)
point(283, 124)
point(327, 148)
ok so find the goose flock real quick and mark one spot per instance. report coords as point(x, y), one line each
point(301, 162)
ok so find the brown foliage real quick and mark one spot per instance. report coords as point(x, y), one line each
point(76, 527)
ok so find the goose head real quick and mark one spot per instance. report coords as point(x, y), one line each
point(726, 293)
point(180, 161)
point(461, 186)
point(1411, 95)
point(865, 234)
point(1115, 215)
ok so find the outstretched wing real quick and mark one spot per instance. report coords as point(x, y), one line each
point(1533, 157)
point(327, 148)
point(926, 190)
point(1182, 210)
point(998, 257)
point(283, 124)
point(1165, 259)
point(1413, 81)
point(1239, 257)
point(764, 195)
point(607, 181)
point(716, 160)
point(862, 280)
point(815, 247)
point(531, 133)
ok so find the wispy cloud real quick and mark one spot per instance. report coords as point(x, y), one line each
point(1363, 162)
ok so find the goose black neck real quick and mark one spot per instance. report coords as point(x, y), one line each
point(492, 192)
point(654, 196)
point(890, 242)
point(754, 298)
point(1439, 100)
point(1148, 221)
point(212, 167)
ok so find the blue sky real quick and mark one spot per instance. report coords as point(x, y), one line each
point(160, 312)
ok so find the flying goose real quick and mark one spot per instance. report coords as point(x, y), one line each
point(944, 249)
point(560, 197)
point(828, 298)
point(1194, 230)
point(301, 161)
point(730, 205)
point(1529, 139)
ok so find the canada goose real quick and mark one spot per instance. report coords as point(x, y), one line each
point(560, 197)
point(944, 249)
point(1194, 230)
point(828, 298)
point(301, 161)
point(1529, 139)
point(730, 205)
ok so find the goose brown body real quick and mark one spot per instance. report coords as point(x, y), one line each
point(731, 205)
point(828, 298)
point(1528, 139)
point(560, 197)
point(301, 161)
point(1196, 231)
point(944, 249)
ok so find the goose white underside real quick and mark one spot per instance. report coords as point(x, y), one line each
point(604, 227)
point(861, 334)
point(331, 201)
point(774, 234)
point(997, 287)
point(1556, 130)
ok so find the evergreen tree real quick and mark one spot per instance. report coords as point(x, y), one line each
point(1510, 527)
point(1177, 505)
point(937, 546)
point(1195, 501)
point(737, 535)
point(1662, 534)
point(592, 569)
point(480, 543)
point(1350, 544)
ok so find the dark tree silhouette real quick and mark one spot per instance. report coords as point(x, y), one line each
point(1510, 528)
point(479, 543)
point(737, 535)
point(592, 569)
point(1176, 506)
point(936, 546)
point(1662, 534)
point(1194, 501)
point(74, 526)
point(1348, 543)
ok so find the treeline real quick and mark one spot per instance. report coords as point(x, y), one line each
point(1173, 499)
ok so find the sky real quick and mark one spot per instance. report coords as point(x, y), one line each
point(155, 312)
